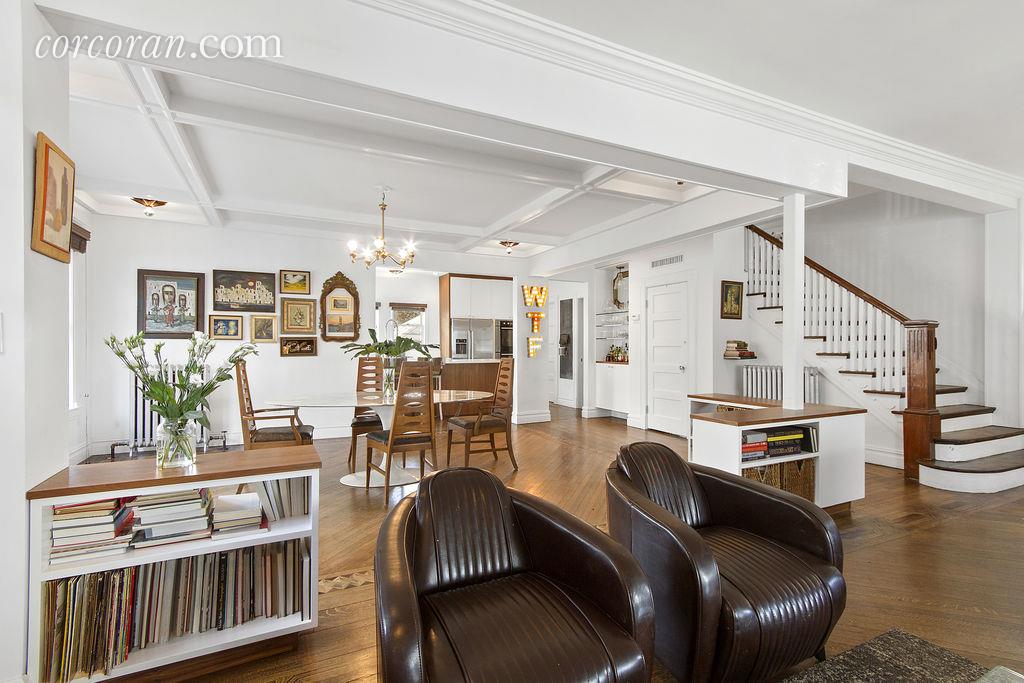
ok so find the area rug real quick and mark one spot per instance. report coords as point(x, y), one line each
point(893, 656)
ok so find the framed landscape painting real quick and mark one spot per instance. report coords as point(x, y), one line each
point(298, 346)
point(239, 290)
point(298, 316)
point(54, 199)
point(225, 326)
point(293, 281)
point(263, 329)
point(170, 303)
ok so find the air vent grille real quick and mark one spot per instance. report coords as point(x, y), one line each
point(667, 261)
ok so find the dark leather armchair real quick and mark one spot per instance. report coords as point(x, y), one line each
point(479, 582)
point(747, 579)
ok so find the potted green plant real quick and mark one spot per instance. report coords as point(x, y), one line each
point(180, 397)
point(390, 350)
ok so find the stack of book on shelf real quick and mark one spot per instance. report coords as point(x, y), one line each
point(92, 622)
point(283, 497)
point(238, 513)
point(85, 530)
point(755, 446)
point(737, 348)
point(784, 440)
point(810, 439)
point(171, 517)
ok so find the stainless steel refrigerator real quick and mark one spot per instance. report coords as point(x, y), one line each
point(473, 339)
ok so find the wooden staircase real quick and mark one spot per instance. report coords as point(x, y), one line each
point(947, 443)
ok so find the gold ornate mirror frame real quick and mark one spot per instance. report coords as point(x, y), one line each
point(616, 281)
point(332, 317)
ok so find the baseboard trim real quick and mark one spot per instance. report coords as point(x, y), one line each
point(886, 457)
point(527, 418)
point(565, 403)
point(594, 412)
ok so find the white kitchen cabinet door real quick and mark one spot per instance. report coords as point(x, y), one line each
point(460, 297)
point(479, 298)
point(501, 299)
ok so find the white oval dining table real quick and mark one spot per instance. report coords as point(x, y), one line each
point(384, 406)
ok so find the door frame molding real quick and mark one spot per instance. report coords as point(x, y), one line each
point(691, 278)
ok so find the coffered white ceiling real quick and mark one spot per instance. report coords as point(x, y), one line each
point(224, 154)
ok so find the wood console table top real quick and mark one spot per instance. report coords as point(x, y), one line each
point(128, 474)
point(765, 410)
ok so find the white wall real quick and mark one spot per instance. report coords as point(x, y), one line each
point(411, 287)
point(532, 375)
point(120, 246)
point(1002, 316)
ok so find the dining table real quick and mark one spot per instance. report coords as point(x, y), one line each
point(384, 405)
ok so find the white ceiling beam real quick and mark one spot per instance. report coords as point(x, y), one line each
point(152, 93)
point(547, 202)
point(204, 113)
point(130, 188)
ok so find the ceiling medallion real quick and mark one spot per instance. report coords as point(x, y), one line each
point(508, 244)
point(149, 204)
point(378, 249)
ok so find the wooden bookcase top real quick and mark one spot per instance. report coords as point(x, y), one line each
point(130, 474)
point(765, 411)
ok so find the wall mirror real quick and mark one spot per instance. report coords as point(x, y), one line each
point(620, 289)
point(339, 309)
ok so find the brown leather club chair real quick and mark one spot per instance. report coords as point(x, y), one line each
point(747, 579)
point(479, 582)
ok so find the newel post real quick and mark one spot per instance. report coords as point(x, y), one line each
point(921, 424)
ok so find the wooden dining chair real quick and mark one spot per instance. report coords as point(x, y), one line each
point(254, 436)
point(496, 421)
point(369, 377)
point(412, 426)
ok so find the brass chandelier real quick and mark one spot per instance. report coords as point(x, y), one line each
point(378, 249)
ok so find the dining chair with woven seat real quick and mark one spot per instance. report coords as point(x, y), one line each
point(369, 377)
point(498, 420)
point(254, 436)
point(412, 426)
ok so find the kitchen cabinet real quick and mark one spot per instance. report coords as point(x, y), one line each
point(502, 302)
point(611, 387)
point(461, 297)
point(479, 297)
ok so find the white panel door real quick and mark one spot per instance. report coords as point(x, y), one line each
point(668, 352)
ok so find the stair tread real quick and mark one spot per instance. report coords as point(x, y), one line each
point(866, 373)
point(835, 355)
point(979, 434)
point(815, 336)
point(939, 389)
point(757, 294)
point(1000, 462)
point(769, 308)
point(963, 410)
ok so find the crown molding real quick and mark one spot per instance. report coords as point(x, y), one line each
point(506, 27)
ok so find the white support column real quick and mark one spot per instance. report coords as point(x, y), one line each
point(792, 301)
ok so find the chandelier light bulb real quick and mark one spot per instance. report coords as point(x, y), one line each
point(378, 242)
point(353, 245)
point(148, 211)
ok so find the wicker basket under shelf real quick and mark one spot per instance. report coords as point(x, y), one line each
point(798, 478)
point(766, 474)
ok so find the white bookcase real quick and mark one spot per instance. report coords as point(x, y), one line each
point(84, 483)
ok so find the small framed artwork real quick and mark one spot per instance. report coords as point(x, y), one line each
point(732, 300)
point(293, 281)
point(298, 346)
point(263, 329)
point(238, 290)
point(170, 303)
point(54, 199)
point(225, 326)
point(298, 316)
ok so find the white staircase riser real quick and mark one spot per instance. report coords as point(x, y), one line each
point(965, 482)
point(981, 449)
point(950, 399)
point(953, 424)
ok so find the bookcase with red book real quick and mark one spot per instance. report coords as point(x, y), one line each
point(132, 568)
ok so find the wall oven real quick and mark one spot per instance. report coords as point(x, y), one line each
point(503, 333)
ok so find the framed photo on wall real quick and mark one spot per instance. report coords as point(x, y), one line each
point(298, 346)
point(239, 290)
point(293, 281)
point(54, 200)
point(298, 316)
point(732, 300)
point(225, 326)
point(170, 303)
point(263, 329)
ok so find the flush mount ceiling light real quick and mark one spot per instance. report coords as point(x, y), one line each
point(508, 244)
point(378, 249)
point(148, 204)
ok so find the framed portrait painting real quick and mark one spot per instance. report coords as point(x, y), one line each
point(263, 329)
point(225, 326)
point(293, 281)
point(298, 346)
point(54, 200)
point(298, 316)
point(732, 300)
point(239, 290)
point(170, 303)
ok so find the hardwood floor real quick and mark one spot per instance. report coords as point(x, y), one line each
point(944, 566)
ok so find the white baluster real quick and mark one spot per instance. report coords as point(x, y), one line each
point(869, 354)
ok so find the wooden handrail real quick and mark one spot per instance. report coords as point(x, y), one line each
point(842, 282)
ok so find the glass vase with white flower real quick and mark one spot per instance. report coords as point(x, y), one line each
point(179, 394)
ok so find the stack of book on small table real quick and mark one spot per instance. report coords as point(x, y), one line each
point(94, 529)
point(755, 446)
point(170, 517)
point(785, 440)
point(737, 348)
point(238, 513)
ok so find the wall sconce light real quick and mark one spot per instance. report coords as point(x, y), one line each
point(535, 318)
point(535, 296)
point(533, 346)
